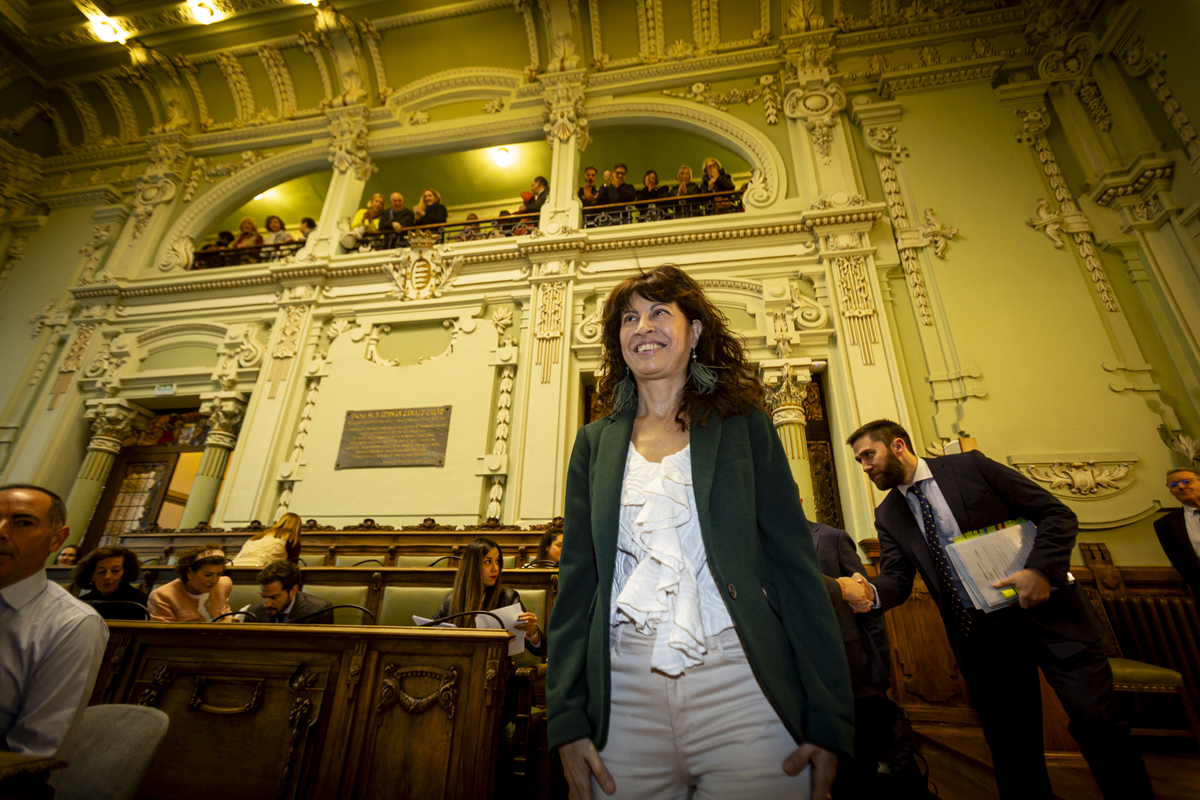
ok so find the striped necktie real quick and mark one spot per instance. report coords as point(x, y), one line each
point(961, 618)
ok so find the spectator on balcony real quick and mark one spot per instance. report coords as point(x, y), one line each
point(501, 228)
point(616, 190)
point(275, 231)
point(715, 179)
point(430, 210)
point(250, 236)
point(539, 191)
point(588, 192)
point(223, 242)
point(470, 231)
point(368, 218)
point(651, 190)
point(396, 218)
point(307, 226)
point(685, 187)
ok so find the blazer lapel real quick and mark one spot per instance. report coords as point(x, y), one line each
point(705, 443)
point(910, 534)
point(947, 481)
point(607, 477)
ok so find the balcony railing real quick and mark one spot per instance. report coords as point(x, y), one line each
point(663, 208)
point(240, 256)
point(450, 232)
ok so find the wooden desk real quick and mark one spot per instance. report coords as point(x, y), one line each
point(297, 711)
point(25, 777)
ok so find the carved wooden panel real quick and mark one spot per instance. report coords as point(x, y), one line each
point(297, 712)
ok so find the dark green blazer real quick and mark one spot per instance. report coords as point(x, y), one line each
point(760, 551)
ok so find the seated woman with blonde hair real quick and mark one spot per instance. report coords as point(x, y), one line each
point(430, 210)
point(249, 236)
point(280, 542)
point(199, 594)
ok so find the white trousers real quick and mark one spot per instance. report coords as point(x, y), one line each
point(710, 733)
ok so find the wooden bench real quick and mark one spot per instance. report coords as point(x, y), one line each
point(302, 711)
point(322, 545)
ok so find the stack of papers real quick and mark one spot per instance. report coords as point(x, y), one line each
point(509, 614)
point(992, 554)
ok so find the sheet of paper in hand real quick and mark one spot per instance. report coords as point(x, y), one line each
point(983, 557)
point(510, 616)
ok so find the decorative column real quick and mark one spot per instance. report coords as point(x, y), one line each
point(225, 412)
point(787, 381)
point(113, 419)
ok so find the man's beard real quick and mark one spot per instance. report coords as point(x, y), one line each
point(891, 474)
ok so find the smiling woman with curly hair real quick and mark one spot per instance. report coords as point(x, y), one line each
point(693, 645)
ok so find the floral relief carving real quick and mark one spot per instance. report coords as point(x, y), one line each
point(1138, 60)
point(817, 108)
point(422, 273)
point(764, 87)
point(857, 305)
point(502, 319)
point(564, 114)
point(201, 168)
point(348, 145)
point(1082, 478)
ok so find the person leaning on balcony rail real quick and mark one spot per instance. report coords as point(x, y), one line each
point(501, 228)
point(199, 594)
point(588, 192)
point(276, 233)
point(395, 218)
point(693, 644)
point(685, 186)
point(307, 226)
point(224, 241)
point(715, 178)
point(430, 210)
point(616, 190)
point(651, 190)
point(368, 218)
point(470, 230)
point(249, 234)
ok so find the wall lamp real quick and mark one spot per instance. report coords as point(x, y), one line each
point(502, 157)
point(108, 30)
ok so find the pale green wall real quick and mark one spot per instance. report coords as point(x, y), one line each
point(659, 148)
point(291, 201)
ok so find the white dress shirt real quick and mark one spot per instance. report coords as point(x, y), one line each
point(1191, 516)
point(51, 646)
point(662, 583)
point(942, 515)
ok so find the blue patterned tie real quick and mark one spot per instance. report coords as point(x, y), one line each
point(949, 583)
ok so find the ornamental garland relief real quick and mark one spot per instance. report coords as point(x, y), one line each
point(817, 109)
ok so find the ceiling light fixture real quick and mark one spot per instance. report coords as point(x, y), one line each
point(203, 11)
point(108, 30)
point(503, 157)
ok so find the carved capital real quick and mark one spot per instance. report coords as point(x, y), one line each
point(225, 412)
point(113, 419)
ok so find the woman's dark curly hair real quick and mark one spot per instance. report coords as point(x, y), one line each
point(81, 576)
point(738, 389)
point(188, 562)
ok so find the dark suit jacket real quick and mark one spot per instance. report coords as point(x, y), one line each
point(404, 216)
point(608, 195)
point(537, 202)
point(761, 556)
point(507, 598)
point(981, 492)
point(838, 558)
point(1172, 535)
point(305, 604)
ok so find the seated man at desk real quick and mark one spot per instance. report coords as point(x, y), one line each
point(282, 600)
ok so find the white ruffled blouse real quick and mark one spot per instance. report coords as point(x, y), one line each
point(662, 583)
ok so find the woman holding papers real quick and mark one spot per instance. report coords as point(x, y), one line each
point(694, 647)
point(477, 587)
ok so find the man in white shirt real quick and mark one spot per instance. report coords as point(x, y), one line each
point(51, 645)
point(1179, 530)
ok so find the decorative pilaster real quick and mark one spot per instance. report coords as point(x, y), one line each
point(113, 419)
point(787, 381)
point(225, 413)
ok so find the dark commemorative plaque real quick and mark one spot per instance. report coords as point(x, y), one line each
point(395, 437)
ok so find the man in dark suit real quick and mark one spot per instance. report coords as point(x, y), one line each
point(1179, 530)
point(394, 219)
point(931, 503)
point(540, 190)
point(282, 600)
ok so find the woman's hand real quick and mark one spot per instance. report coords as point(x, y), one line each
point(580, 762)
point(527, 622)
point(824, 764)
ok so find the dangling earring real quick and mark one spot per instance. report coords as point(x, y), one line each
point(624, 395)
point(704, 379)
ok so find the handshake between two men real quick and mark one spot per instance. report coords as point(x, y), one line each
point(1033, 588)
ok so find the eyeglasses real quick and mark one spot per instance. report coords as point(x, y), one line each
point(1182, 482)
point(620, 172)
